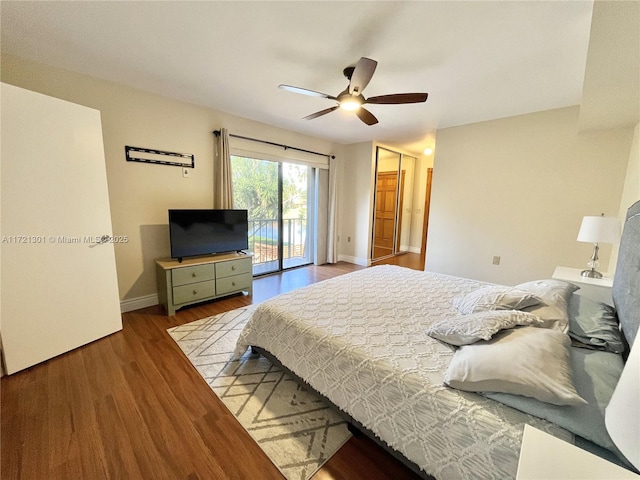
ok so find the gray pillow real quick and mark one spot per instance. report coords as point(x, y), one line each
point(594, 325)
point(595, 375)
point(533, 362)
point(494, 297)
point(467, 329)
point(554, 294)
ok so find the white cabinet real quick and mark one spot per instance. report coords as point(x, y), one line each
point(200, 279)
point(543, 456)
point(598, 289)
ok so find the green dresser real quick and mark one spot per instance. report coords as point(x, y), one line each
point(200, 279)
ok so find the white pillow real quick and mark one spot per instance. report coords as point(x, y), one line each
point(532, 362)
point(494, 297)
point(554, 294)
point(471, 328)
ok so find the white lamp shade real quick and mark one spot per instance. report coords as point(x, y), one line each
point(599, 229)
point(622, 415)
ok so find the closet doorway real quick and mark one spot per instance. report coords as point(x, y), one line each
point(394, 213)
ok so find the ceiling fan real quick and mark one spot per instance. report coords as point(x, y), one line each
point(351, 98)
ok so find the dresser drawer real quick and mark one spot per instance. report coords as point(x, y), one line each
point(233, 284)
point(197, 273)
point(197, 280)
point(193, 292)
point(233, 267)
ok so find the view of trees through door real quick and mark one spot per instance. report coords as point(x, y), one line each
point(276, 195)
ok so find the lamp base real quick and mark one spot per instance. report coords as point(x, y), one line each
point(591, 273)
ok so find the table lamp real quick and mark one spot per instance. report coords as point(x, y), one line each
point(596, 230)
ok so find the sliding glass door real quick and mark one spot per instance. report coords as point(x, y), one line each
point(276, 195)
point(295, 215)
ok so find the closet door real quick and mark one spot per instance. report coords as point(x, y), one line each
point(58, 281)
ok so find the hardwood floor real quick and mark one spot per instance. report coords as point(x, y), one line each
point(409, 260)
point(131, 406)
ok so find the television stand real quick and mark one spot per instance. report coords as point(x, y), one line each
point(193, 280)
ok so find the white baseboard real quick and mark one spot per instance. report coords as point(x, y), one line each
point(365, 262)
point(131, 304)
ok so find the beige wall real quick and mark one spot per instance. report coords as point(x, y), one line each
point(423, 163)
point(631, 190)
point(140, 194)
point(355, 205)
point(515, 187)
point(518, 188)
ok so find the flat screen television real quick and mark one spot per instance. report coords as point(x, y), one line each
point(206, 232)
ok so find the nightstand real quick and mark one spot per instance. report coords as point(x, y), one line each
point(598, 289)
point(543, 456)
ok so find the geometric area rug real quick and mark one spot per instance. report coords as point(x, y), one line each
point(293, 426)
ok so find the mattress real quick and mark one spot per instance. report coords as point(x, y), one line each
point(359, 340)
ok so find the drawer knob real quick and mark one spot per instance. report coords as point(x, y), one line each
point(195, 292)
point(233, 267)
point(193, 274)
point(233, 284)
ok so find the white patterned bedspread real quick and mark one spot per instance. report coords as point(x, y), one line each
point(359, 339)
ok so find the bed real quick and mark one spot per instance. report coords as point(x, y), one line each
point(378, 344)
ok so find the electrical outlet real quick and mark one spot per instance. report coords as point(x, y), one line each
point(496, 260)
point(185, 172)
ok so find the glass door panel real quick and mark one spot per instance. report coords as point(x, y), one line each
point(276, 196)
point(405, 216)
point(386, 202)
point(255, 188)
point(295, 214)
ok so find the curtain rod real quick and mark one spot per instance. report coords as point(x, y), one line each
point(217, 133)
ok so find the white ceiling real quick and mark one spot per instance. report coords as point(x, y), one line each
point(478, 60)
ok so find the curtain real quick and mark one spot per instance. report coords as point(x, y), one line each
point(321, 204)
point(332, 220)
point(222, 181)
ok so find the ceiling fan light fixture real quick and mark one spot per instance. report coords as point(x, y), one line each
point(350, 104)
point(351, 99)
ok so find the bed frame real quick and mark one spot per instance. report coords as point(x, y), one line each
point(626, 297)
point(355, 427)
point(626, 284)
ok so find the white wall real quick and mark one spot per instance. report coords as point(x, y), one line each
point(355, 207)
point(518, 188)
point(140, 194)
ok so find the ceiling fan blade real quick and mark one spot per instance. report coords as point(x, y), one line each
point(320, 113)
point(366, 116)
point(305, 91)
point(362, 75)
point(398, 98)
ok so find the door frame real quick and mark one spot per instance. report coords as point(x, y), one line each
point(425, 221)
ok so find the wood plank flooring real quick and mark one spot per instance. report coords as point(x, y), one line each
point(131, 406)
